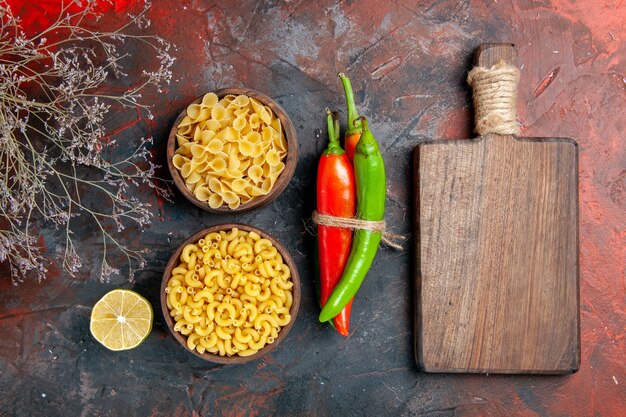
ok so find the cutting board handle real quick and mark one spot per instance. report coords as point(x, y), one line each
point(494, 80)
point(487, 54)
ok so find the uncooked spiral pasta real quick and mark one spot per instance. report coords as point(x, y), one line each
point(230, 150)
point(231, 293)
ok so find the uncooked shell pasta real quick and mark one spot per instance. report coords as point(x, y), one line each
point(230, 150)
point(231, 293)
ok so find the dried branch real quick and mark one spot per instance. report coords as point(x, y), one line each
point(54, 102)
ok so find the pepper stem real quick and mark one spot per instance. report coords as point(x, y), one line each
point(332, 121)
point(336, 128)
point(367, 144)
point(354, 124)
point(362, 121)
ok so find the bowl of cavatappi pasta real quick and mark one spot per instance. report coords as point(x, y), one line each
point(230, 293)
point(232, 150)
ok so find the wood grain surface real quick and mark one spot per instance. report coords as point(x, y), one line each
point(497, 266)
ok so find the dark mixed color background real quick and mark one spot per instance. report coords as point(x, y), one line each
point(408, 61)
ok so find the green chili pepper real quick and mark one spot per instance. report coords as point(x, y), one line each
point(369, 170)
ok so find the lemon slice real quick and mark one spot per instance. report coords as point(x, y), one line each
point(121, 320)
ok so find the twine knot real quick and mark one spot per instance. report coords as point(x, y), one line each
point(389, 239)
point(495, 94)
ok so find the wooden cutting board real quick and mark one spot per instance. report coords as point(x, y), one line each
point(497, 251)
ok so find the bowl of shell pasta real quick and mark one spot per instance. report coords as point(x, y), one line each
point(230, 293)
point(233, 149)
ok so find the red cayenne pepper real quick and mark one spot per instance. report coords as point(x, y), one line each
point(336, 196)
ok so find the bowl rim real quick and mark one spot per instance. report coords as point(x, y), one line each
point(291, 159)
point(295, 307)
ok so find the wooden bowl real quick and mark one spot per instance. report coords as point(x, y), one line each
point(295, 278)
point(290, 161)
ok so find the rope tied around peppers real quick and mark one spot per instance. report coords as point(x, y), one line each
point(389, 239)
point(495, 94)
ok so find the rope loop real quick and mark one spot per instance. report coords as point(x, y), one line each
point(389, 239)
point(495, 95)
